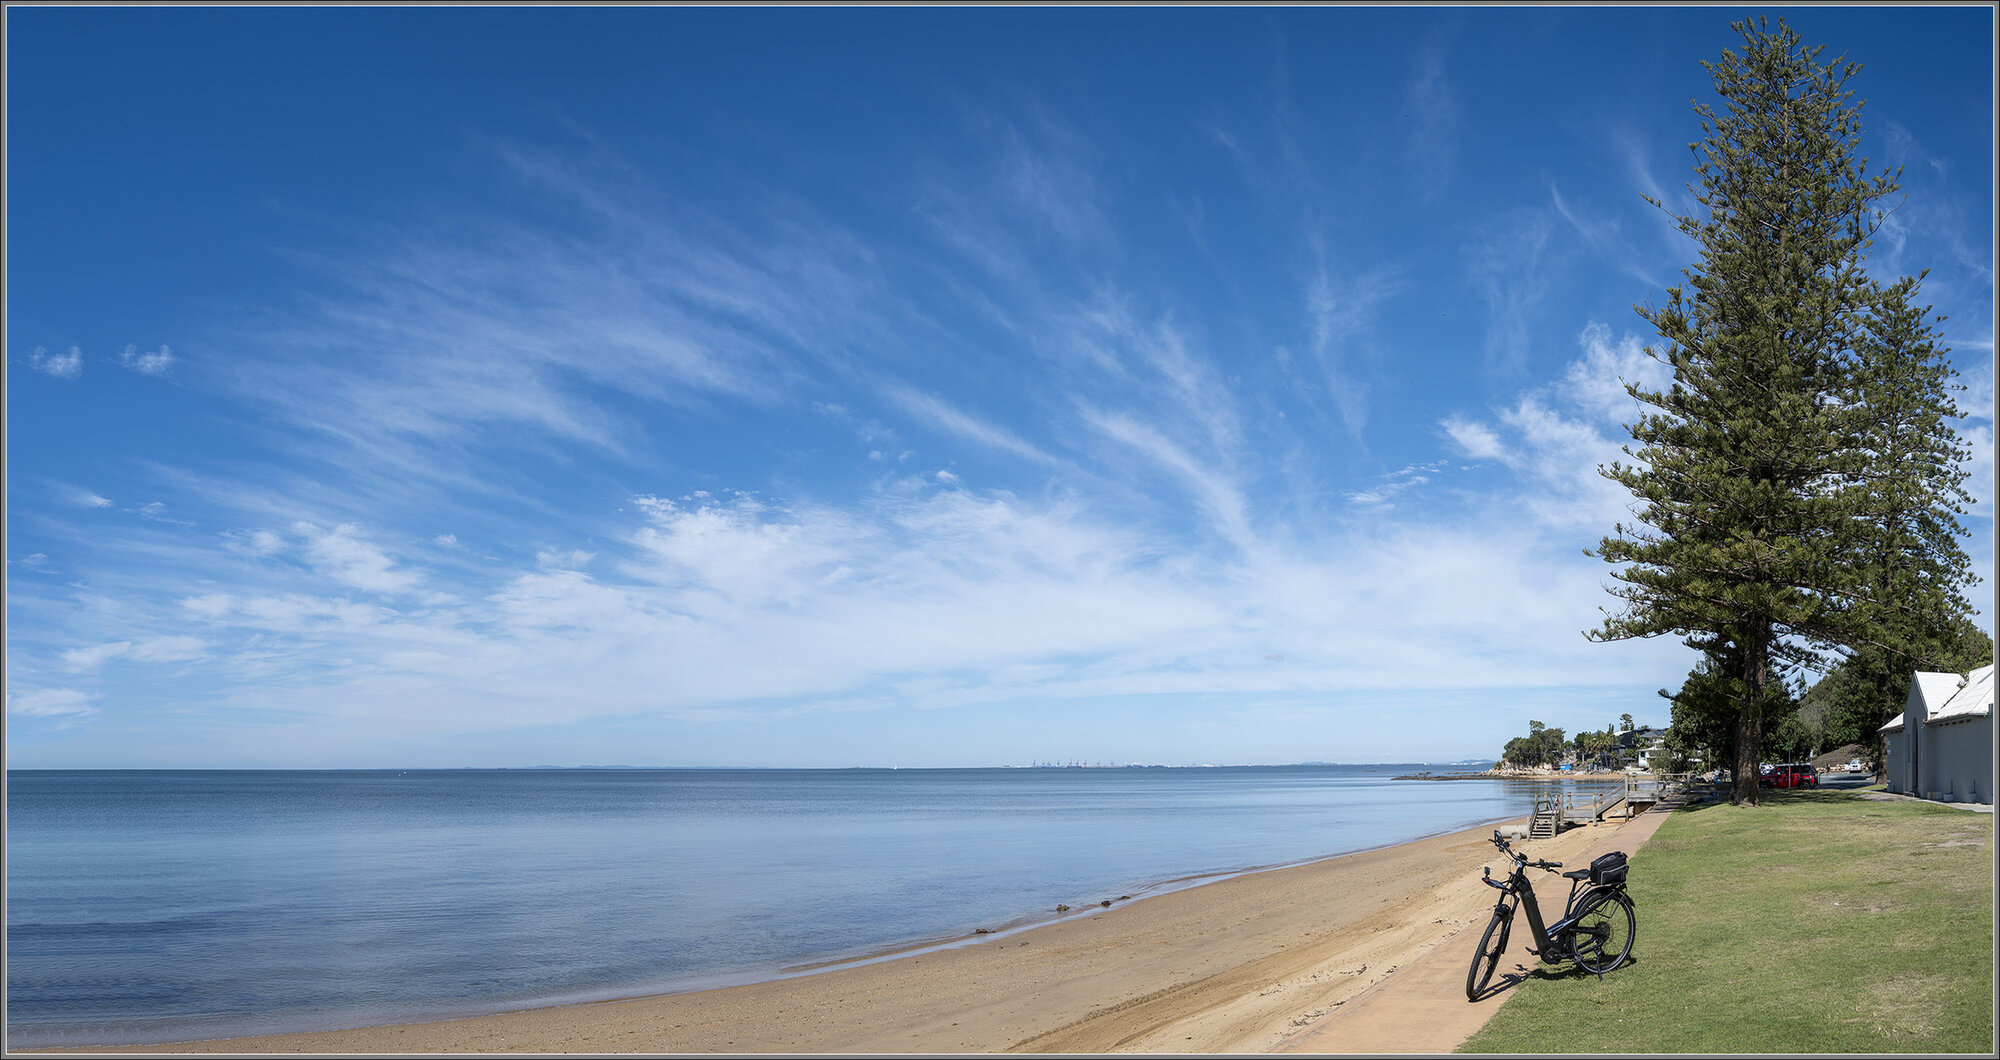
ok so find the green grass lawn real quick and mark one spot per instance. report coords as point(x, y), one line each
point(1820, 923)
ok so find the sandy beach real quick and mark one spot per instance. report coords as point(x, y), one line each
point(1247, 964)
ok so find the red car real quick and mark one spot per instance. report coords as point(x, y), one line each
point(1793, 775)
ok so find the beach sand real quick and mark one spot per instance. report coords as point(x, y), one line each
point(1247, 964)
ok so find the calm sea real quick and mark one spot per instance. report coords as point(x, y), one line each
point(151, 906)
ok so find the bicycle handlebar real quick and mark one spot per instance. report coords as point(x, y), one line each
point(1500, 841)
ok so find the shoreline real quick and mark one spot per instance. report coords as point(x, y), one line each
point(1238, 961)
point(1514, 774)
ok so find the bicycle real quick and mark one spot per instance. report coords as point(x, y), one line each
point(1596, 930)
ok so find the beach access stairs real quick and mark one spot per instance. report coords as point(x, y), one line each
point(1640, 792)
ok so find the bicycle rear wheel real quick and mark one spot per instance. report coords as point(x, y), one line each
point(1491, 946)
point(1602, 938)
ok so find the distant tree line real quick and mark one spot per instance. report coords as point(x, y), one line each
point(1544, 746)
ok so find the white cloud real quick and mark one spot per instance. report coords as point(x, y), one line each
point(341, 554)
point(61, 365)
point(157, 511)
point(741, 554)
point(155, 362)
point(1597, 382)
point(1476, 439)
point(92, 657)
point(563, 559)
point(258, 543)
point(1383, 493)
point(290, 613)
point(1562, 433)
point(151, 649)
point(168, 649)
point(61, 703)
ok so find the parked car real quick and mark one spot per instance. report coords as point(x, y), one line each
point(1792, 775)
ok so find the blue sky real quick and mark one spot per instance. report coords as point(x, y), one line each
point(861, 386)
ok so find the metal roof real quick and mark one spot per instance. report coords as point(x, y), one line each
point(1949, 697)
point(1930, 689)
point(1973, 699)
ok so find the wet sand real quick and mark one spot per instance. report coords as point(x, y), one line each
point(1243, 965)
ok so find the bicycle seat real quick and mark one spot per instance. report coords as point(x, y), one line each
point(1580, 874)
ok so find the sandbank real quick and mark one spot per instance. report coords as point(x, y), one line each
point(1244, 965)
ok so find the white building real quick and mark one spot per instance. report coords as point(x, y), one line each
point(1941, 747)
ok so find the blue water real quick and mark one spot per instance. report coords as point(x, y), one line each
point(152, 906)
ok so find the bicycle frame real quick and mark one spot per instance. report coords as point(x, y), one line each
point(1522, 891)
point(1596, 894)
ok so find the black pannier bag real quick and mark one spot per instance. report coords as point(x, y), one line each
point(1608, 869)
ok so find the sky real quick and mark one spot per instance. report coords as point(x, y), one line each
point(398, 387)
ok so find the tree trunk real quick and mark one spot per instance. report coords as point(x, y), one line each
point(1744, 788)
point(1746, 791)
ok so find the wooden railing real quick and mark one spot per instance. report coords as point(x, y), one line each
point(1553, 811)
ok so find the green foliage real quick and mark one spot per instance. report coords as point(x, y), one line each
point(1868, 688)
point(1821, 924)
point(1591, 744)
point(1541, 747)
point(1797, 480)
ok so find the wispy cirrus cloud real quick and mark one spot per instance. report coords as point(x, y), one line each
point(385, 579)
point(1431, 113)
point(150, 650)
point(61, 704)
point(1604, 235)
point(1506, 261)
point(1382, 495)
point(947, 417)
point(1214, 490)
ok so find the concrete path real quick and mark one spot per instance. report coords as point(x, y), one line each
point(1422, 1008)
point(1884, 796)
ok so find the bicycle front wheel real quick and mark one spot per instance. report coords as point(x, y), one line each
point(1602, 938)
point(1491, 946)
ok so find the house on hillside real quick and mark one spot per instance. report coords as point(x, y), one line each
point(1641, 744)
point(1941, 746)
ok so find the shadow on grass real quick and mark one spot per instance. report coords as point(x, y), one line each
point(1771, 796)
point(1510, 980)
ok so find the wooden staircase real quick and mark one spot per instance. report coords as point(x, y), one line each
point(1547, 819)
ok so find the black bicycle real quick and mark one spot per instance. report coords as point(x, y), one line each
point(1596, 929)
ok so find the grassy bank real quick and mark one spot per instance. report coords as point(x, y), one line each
point(1821, 923)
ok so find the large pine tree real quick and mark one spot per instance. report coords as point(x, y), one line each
point(1762, 478)
point(1913, 568)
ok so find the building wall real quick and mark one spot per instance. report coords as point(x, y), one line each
point(1896, 760)
point(1905, 767)
point(1957, 760)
